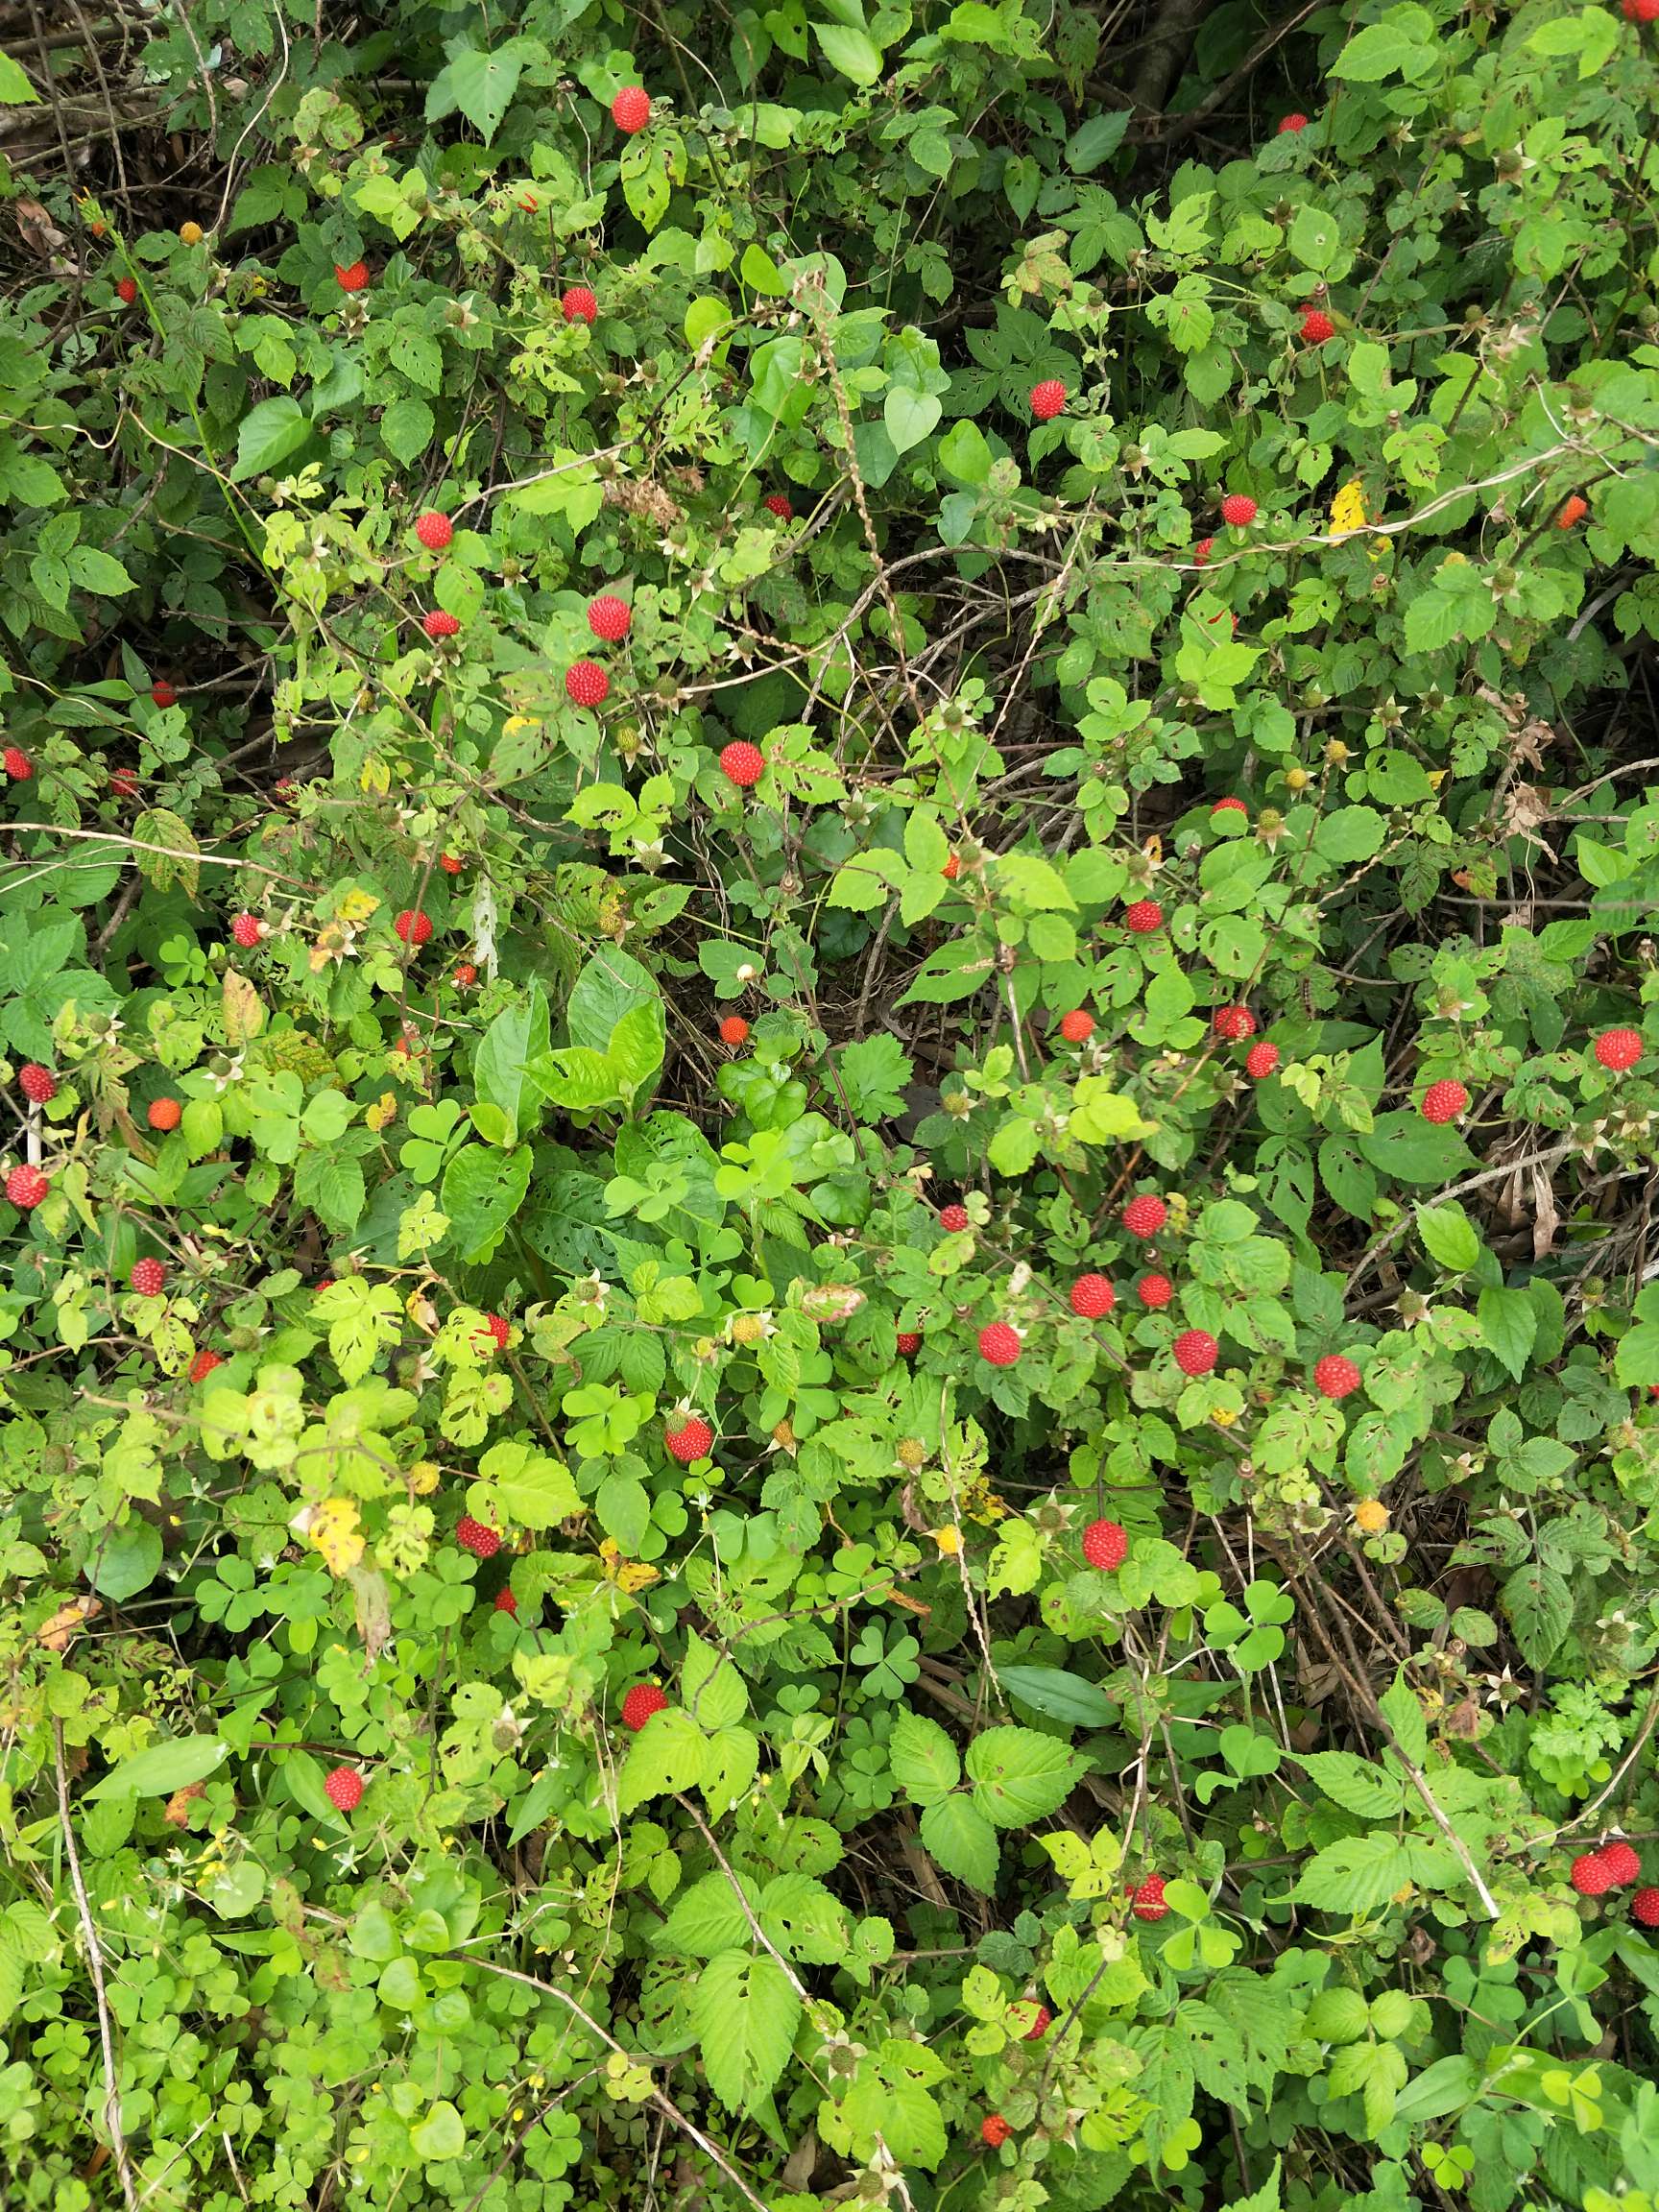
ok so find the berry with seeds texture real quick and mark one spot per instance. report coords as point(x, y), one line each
point(354, 278)
point(1623, 1862)
point(1048, 398)
point(125, 290)
point(953, 1217)
point(165, 1113)
point(162, 693)
point(149, 1278)
point(203, 1364)
point(1443, 1101)
point(343, 1788)
point(733, 1030)
point(412, 926)
point(1227, 806)
point(1040, 2026)
point(1147, 1902)
point(1316, 327)
point(1105, 1544)
point(451, 863)
point(1574, 507)
point(477, 1537)
point(247, 930)
point(434, 530)
point(693, 1439)
point(1093, 1296)
point(1619, 1050)
point(439, 624)
point(586, 683)
point(1233, 1023)
point(775, 503)
point(1202, 551)
point(1144, 917)
point(742, 764)
point(642, 1703)
point(909, 1342)
point(496, 1331)
point(581, 305)
point(1640, 11)
point(17, 764)
point(1334, 1377)
point(1239, 510)
point(1197, 1351)
point(952, 868)
point(1260, 1061)
point(1155, 1291)
point(1589, 1875)
point(631, 110)
point(608, 618)
point(995, 2130)
point(1292, 123)
point(466, 976)
point(505, 1601)
point(1145, 1216)
point(999, 1344)
point(1644, 1905)
point(1077, 1026)
point(26, 1186)
point(37, 1084)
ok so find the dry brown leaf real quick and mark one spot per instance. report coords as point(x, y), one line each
point(37, 229)
point(67, 1623)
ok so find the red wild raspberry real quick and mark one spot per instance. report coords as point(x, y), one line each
point(1623, 1862)
point(693, 1439)
point(995, 2130)
point(1640, 11)
point(609, 617)
point(1144, 917)
point(631, 110)
point(505, 1601)
point(1644, 1905)
point(1048, 398)
point(1155, 1291)
point(1229, 807)
point(775, 503)
point(1334, 1377)
point(165, 1113)
point(344, 1787)
point(1239, 510)
point(909, 1342)
point(1202, 551)
point(733, 1030)
point(497, 1332)
point(1145, 1216)
point(37, 1084)
point(1443, 1101)
point(123, 783)
point(1590, 1874)
point(999, 1344)
point(477, 1537)
point(1234, 1024)
point(1618, 1049)
point(1093, 1296)
point(149, 1278)
point(26, 1186)
point(580, 305)
point(438, 624)
point(354, 278)
point(1574, 507)
point(434, 530)
point(1292, 123)
point(466, 974)
point(586, 684)
point(1316, 327)
point(249, 930)
point(953, 1217)
point(742, 764)
point(1105, 1544)
point(952, 868)
point(1197, 1351)
point(125, 291)
point(1147, 1902)
point(1040, 2026)
point(641, 1703)
point(1260, 1061)
point(203, 1364)
point(1077, 1026)
point(412, 926)
point(17, 764)
point(451, 863)
point(162, 693)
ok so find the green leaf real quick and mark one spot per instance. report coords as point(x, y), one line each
point(1448, 1235)
point(1539, 1604)
point(710, 1687)
point(1097, 140)
point(1032, 883)
point(269, 435)
point(517, 1035)
point(910, 415)
point(1355, 1875)
point(1400, 1708)
point(406, 428)
point(1509, 1324)
point(520, 1487)
point(1636, 1363)
point(440, 2137)
point(333, 1183)
point(482, 1190)
point(962, 1841)
point(1402, 44)
point(708, 1918)
point(669, 1755)
point(127, 1560)
point(480, 86)
point(744, 2014)
point(1019, 1777)
point(923, 1759)
point(611, 985)
point(163, 1768)
point(1062, 1696)
point(851, 52)
point(1355, 1784)
point(15, 89)
point(1349, 834)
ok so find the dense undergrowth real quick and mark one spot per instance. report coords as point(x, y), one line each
point(830, 1080)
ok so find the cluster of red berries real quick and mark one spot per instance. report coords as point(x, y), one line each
point(1145, 1216)
point(203, 1364)
point(497, 1332)
point(26, 1186)
point(247, 930)
point(631, 110)
point(1239, 510)
point(37, 1084)
point(352, 279)
point(1316, 327)
point(412, 926)
point(733, 1030)
point(1146, 1901)
point(1615, 1867)
point(343, 1788)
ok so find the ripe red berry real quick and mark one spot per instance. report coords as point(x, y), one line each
point(1048, 398)
point(909, 1342)
point(995, 2130)
point(203, 1364)
point(1292, 123)
point(1618, 1049)
point(953, 1217)
point(1233, 1023)
point(1197, 1351)
point(1145, 1216)
point(1144, 917)
point(1443, 1101)
point(247, 930)
point(1077, 1026)
point(26, 1186)
point(1590, 1875)
point(999, 1344)
point(434, 530)
point(149, 1278)
point(125, 290)
point(586, 684)
point(1040, 2026)
point(775, 503)
point(1260, 1061)
point(1092, 1296)
point(580, 304)
point(1202, 551)
point(37, 1084)
point(1644, 1905)
point(165, 1113)
point(496, 1331)
point(641, 1703)
point(1316, 327)
point(1229, 807)
point(344, 1787)
point(450, 862)
point(1334, 1377)
point(354, 278)
point(439, 624)
point(742, 764)
point(505, 1601)
point(1147, 1902)
point(1574, 507)
point(631, 110)
point(693, 1439)
point(1105, 1544)
point(17, 764)
point(123, 783)
point(1239, 510)
point(477, 1537)
point(1640, 11)
point(733, 1030)
point(1623, 1862)
point(1155, 1291)
point(609, 617)
point(412, 926)
point(466, 974)
point(952, 868)
point(162, 693)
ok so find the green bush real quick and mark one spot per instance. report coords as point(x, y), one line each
point(514, 1204)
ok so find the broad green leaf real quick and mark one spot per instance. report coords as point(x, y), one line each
point(744, 2014)
point(270, 433)
point(669, 1755)
point(1019, 1777)
point(923, 1759)
point(1061, 1695)
point(1509, 1324)
point(1355, 1784)
point(853, 53)
point(963, 1841)
point(163, 1768)
point(1448, 1235)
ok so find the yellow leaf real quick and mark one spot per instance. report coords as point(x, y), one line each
point(627, 1573)
point(376, 776)
point(244, 1012)
point(948, 1541)
point(356, 908)
point(334, 1533)
point(383, 1110)
point(1348, 508)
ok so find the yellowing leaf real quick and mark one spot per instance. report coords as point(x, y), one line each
point(383, 1110)
point(948, 1541)
point(376, 775)
point(333, 1531)
point(357, 907)
point(627, 1575)
point(1348, 510)
point(243, 1011)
